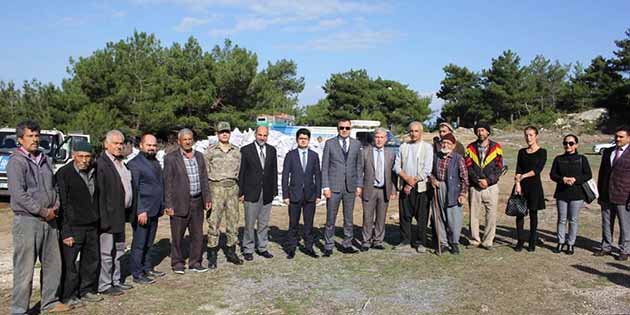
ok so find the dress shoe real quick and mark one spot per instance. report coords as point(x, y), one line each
point(248, 256)
point(519, 246)
point(212, 257)
point(291, 254)
point(378, 247)
point(602, 253)
point(124, 286)
point(443, 249)
point(311, 252)
point(364, 248)
point(232, 257)
point(113, 291)
point(622, 257)
point(327, 252)
point(198, 269)
point(58, 308)
point(570, 250)
point(455, 249)
point(265, 254)
point(487, 247)
point(143, 280)
point(531, 247)
point(155, 274)
point(349, 250)
point(558, 248)
point(91, 297)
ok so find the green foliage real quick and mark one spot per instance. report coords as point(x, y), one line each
point(509, 93)
point(138, 85)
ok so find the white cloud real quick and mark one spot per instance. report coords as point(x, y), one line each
point(188, 23)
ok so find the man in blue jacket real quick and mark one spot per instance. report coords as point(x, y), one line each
point(148, 183)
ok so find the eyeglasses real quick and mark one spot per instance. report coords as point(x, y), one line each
point(344, 128)
point(568, 143)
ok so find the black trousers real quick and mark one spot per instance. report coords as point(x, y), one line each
point(143, 238)
point(194, 223)
point(82, 277)
point(415, 205)
point(533, 227)
point(295, 209)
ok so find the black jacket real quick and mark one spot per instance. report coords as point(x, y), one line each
point(148, 186)
point(603, 178)
point(78, 207)
point(570, 165)
point(297, 185)
point(111, 197)
point(252, 177)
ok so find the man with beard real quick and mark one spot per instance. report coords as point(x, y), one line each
point(449, 179)
point(79, 228)
point(148, 186)
point(258, 185)
point(484, 160)
point(445, 128)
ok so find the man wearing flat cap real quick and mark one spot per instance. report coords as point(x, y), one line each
point(223, 160)
point(445, 128)
point(79, 227)
point(484, 160)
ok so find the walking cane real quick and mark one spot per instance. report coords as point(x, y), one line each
point(436, 217)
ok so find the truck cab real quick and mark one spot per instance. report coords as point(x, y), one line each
point(53, 143)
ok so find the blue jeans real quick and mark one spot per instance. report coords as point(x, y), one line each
point(568, 209)
point(32, 239)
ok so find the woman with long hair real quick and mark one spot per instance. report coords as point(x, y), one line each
point(530, 163)
point(569, 170)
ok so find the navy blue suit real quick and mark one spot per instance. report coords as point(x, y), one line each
point(302, 188)
point(148, 183)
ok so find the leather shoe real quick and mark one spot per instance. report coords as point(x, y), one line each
point(124, 286)
point(311, 252)
point(327, 252)
point(266, 254)
point(519, 246)
point(248, 256)
point(364, 248)
point(378, 247)
point(622, 257)
point(59, 308)
point(291, 254)
point(558, 248)
point(143, 280)
point(349, 250)
point(570, 250)
point(113, 291)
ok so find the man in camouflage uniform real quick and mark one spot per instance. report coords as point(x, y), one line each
point(223, 161)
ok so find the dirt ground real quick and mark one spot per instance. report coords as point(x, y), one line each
point(393, 281)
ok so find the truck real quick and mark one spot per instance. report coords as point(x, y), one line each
point(54, 143)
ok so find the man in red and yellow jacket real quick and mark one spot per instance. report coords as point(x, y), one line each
point(484, 160)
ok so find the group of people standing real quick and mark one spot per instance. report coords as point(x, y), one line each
point(82, 210)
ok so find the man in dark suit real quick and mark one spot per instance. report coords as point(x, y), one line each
point(79, 231)
point(148, 204)
point(186, 195)
point(113, 182)
point(341, 177)
point(258, 185)
point(301, 187)
point(614, 193)
point(378, 188)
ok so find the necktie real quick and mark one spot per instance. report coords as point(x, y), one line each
point(262, 156)
point(345, 144)
point(617, 154)
point(304, 161)
point(380, 172)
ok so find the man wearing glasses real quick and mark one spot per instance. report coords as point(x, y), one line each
point(342, 181)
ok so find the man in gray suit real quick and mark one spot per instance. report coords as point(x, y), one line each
point(378, 188)
point(342, 179)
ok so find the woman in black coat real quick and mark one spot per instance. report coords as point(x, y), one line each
point(529, 165)
point(569, 170)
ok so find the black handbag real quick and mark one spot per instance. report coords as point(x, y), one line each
point(516, 205)
point(590, 189)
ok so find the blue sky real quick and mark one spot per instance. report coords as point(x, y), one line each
point(407, 41)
